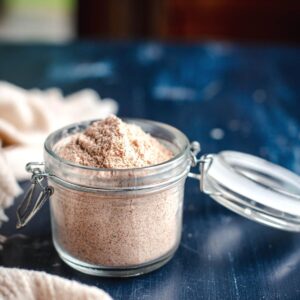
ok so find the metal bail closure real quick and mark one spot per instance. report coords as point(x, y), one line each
point(28, 207)
point(203, 162)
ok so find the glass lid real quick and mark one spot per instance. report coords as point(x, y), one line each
point(253, 187)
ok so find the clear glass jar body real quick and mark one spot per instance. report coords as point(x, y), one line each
point(112, 222)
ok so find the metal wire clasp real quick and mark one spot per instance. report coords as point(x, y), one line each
point(28, 207)
point(204, 163)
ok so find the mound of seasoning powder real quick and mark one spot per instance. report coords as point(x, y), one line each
point(115, 229)
point(111, 143)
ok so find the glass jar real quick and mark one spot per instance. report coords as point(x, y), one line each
point(117, 222)
point(126, 222)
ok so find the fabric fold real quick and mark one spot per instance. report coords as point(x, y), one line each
point(18, 284)
point(28, 116)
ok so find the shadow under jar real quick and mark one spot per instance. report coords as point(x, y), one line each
point(118, 222)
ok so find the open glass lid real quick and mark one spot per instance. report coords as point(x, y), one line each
point(252, 187)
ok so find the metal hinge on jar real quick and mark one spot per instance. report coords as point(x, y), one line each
point(204, 163)
point(28, 207)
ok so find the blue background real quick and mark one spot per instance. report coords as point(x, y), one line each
point(226, 96)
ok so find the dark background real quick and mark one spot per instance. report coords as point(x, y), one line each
point(238, 20)
point(264, 21)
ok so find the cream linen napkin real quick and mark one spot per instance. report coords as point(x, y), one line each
point(28, 116)
point(9, 188)
point(16, 284)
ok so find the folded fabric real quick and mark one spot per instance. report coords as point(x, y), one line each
point(17, 284)
point(9, 188)
point(28, 116)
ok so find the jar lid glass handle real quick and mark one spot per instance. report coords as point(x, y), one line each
point(28, 207)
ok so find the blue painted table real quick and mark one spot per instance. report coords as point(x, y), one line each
point(243, 98)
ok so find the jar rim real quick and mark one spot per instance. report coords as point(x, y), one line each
point(179, 134)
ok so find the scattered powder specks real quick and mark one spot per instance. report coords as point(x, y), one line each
point(217, 133)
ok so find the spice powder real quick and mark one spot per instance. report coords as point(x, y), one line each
point(116, 229)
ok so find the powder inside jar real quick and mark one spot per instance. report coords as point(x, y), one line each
point(116, 229)
point(112, 143)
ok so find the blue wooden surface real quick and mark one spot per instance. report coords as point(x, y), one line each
point(235, 97)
